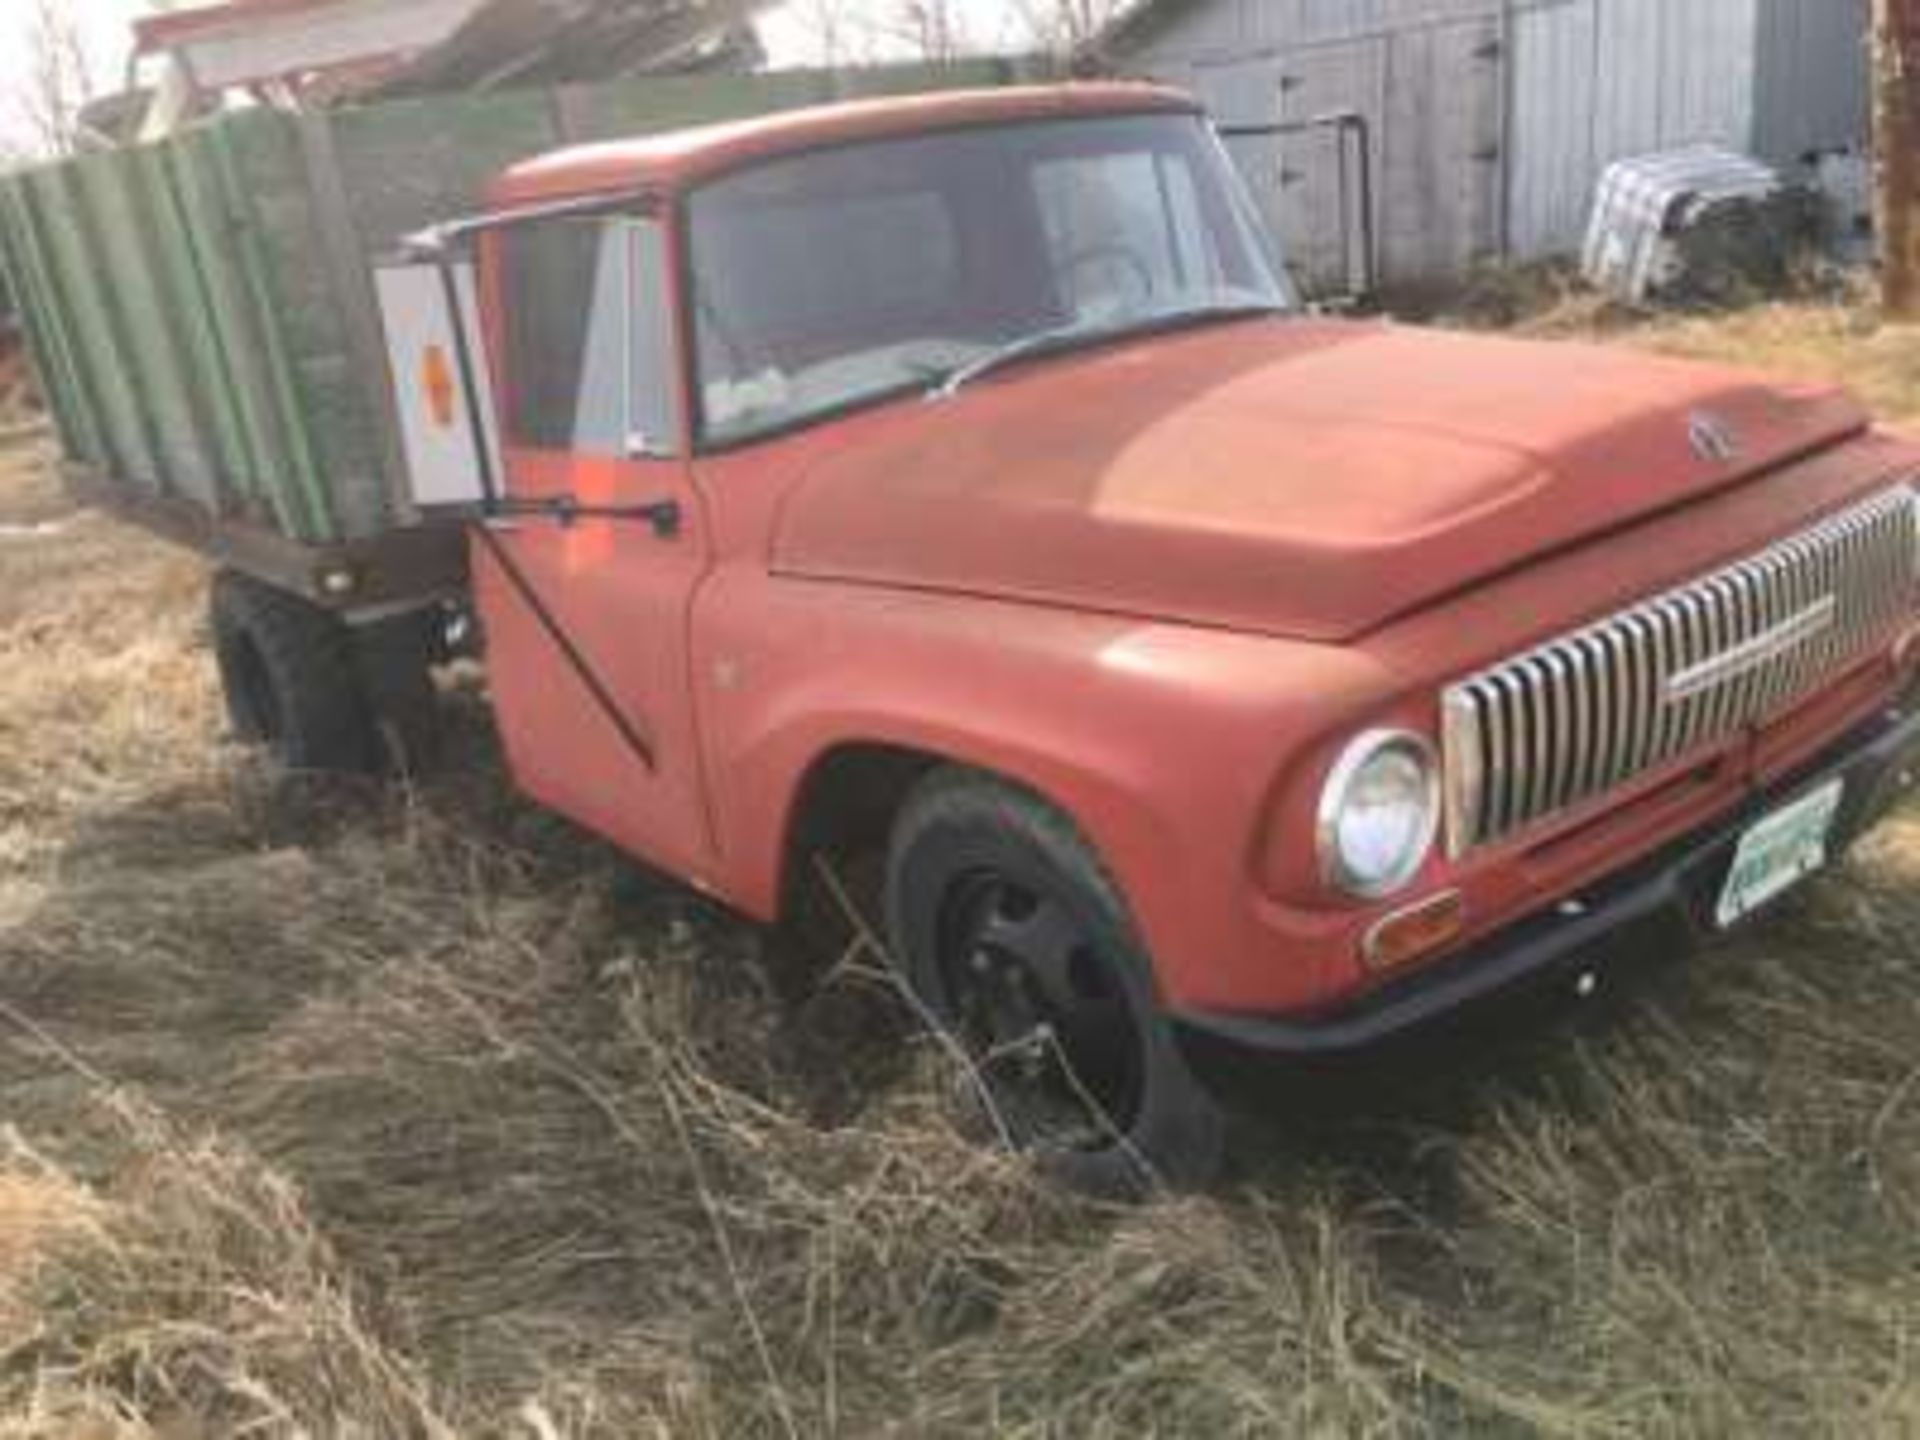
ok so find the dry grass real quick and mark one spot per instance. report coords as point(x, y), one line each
point(342, 1113)
point(1838, 335)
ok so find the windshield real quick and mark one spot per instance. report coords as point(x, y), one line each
point(840, 276)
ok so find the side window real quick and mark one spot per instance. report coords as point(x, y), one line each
point(589, 345)
point(655, 348)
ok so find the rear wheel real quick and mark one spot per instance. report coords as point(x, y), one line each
point(291, 682)
point(1016, 940)
point(394, 659)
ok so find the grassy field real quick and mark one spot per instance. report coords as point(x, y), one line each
point(340, 1112)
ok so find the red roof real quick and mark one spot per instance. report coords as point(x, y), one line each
point(681, 158)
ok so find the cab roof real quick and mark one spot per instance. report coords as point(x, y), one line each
point(680, 159)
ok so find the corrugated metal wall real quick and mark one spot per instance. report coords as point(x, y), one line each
point(1811, 84)
point(1598, 80)
point(1585, 82)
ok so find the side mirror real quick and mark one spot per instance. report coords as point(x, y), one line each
point(442, 383)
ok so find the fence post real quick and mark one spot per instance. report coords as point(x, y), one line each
point(1896, 125)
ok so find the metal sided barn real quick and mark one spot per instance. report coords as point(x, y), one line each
point(1488, 122)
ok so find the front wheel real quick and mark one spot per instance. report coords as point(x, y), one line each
point(1016, 940)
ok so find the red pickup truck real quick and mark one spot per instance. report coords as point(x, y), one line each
point(959, 475)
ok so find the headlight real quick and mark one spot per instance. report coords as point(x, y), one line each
point(1379, 814)
point(1913, 492)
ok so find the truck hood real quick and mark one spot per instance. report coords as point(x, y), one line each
point(1293, 477)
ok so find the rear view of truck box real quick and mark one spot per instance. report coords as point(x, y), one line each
point(203, 317)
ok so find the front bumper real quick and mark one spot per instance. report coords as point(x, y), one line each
point(1663, 903)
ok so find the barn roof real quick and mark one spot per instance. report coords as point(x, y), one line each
point(381, 48)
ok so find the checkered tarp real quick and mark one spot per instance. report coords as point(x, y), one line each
point(1642, 203)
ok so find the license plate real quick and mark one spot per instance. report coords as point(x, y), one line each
point(1779, 852)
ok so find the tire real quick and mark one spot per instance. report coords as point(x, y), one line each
point(288, 671)
point(1002, 918)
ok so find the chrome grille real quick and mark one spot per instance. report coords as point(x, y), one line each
point(1589, 711)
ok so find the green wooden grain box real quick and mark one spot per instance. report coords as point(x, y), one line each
point(201, 311)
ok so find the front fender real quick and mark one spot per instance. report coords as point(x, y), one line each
point(1164, 743)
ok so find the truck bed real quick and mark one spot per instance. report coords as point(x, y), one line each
point(201, 311)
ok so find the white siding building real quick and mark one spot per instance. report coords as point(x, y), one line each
point(1491, 120)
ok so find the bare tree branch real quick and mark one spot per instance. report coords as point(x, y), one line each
point(826, 22)
point(60, 77)
point(934, 29)
point(1072, 31)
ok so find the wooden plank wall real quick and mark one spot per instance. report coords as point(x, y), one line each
point(1219, 30)
point(1427, 74)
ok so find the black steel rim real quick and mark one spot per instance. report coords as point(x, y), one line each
point(1042, 1011)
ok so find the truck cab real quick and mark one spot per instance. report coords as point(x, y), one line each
point(958, 475)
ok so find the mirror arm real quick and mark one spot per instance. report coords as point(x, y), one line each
point(665, 516)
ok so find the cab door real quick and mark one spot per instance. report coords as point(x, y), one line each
point(585, 581)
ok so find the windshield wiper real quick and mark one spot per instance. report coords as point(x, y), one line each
point(1059, 337)
point(1081, 332)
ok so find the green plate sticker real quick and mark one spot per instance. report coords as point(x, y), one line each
point(1779, 852)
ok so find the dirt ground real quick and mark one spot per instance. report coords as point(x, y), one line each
point(332, 1110)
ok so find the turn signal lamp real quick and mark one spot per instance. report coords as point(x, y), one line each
point(1413, 934)
point(436, 385)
